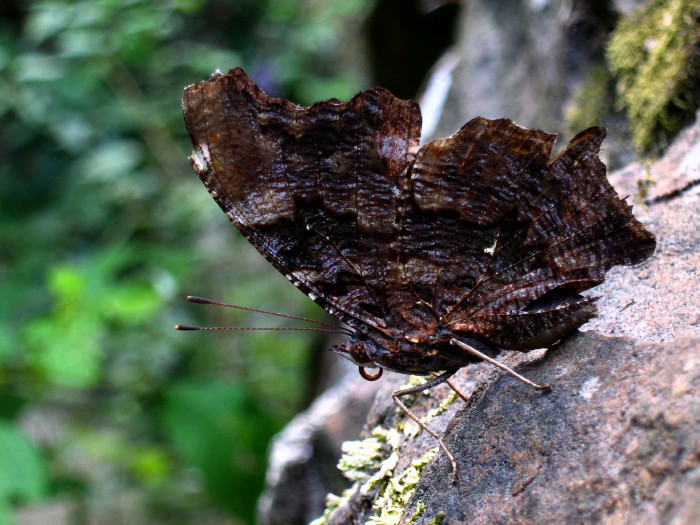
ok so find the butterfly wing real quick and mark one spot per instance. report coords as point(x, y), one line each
point(479, 234)
point(314, 189)
point(497, 241)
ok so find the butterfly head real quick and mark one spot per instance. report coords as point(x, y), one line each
point(359, 353)
point(355, 351)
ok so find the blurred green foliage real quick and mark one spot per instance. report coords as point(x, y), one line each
point(104, 228)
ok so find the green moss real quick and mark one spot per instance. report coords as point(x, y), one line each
point(589, 102)
point(653, 56)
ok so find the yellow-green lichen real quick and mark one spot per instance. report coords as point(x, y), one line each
point(372, 462)
point(653, 54)
point(415, 381)
point(332, 503)
point(412, 429)
point(362, 459)
point(398, 490)
point(420, 509)
point(437, 520)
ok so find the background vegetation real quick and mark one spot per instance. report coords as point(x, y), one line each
point(106, 413)
point(655, 56)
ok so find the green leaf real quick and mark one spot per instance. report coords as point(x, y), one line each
point(22, 469)
point(131, 303)
point(219, 429)
point(67, 283)
point(65, 351)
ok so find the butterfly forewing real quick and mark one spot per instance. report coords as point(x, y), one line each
point(314, 189)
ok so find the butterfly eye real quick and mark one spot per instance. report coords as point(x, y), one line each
point(370, 377)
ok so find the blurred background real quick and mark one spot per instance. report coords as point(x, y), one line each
point(107, 415)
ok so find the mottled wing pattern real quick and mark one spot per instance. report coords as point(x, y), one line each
point(496, 240)
point(480, 235)
point(314, 189)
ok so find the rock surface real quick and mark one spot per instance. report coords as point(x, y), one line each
point(659, 300)
point(616, 440)
point(523, 60)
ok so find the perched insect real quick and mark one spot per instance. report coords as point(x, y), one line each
point(435, 257)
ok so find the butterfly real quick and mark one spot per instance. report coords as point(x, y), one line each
point(434, 256)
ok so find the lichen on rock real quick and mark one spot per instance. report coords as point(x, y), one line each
point(372, 463)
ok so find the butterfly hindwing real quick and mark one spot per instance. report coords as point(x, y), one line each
point(518, 235)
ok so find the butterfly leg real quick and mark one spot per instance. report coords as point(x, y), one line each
point(453, 387)
point(498, 364)
point(420, 388)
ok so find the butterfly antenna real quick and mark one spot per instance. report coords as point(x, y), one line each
point(186, 327)
point(331, 328)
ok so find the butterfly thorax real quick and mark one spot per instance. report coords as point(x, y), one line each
point(433, 354)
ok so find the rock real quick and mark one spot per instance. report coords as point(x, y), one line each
point(302, 466)
point(523, 60)
point(616, 440)
point(660, 299)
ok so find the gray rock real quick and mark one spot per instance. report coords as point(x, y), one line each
point(660, 299)
point(302, 465)
point(616, 440)
point(533, 62)
point(522, 60)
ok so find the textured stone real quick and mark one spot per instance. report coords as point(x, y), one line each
point(659, 300)
point(302, 465)
point(613, 442)
point(616, 440)
point(521, 60)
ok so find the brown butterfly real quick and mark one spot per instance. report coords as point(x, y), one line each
point(435, 256)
